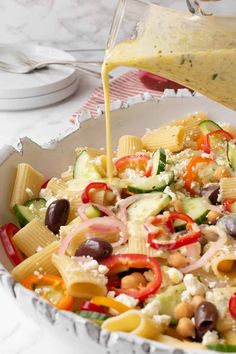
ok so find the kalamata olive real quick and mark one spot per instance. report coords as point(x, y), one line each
point(95, 247)
point(228, 223)
point(206, 316)
point(212, 191)
point(57, 214)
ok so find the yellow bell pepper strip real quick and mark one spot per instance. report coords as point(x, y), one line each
point(111, 303)
point(52, 288)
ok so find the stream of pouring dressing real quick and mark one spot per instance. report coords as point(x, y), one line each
point(198, 52)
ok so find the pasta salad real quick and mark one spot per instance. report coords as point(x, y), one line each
point(151, 252)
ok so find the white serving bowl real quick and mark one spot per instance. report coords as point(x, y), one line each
point(132, 118)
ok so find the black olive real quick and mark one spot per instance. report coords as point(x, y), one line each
point(206, 316)
point(57, 214)
point(95, 247)
point(212, 190)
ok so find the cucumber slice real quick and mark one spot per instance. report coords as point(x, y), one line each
point(34, 208)
point(153, 205)
point(193, 207)
point(208, 126)
point(224, 348)
point(231, 154)
point(169, 299)
point(92, 212)
point(84, 168)
point(95, 317)
point(151, 184)
point(158, 161)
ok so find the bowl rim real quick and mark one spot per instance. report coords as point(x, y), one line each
point(106, 339)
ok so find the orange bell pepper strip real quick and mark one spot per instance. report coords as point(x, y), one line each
point(191, 173)
point(51, 287)
point(109, 302)
point(200, 142)
point(138, 162)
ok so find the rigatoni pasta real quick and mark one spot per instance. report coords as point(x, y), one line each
point(40, 262)
point(83, 280)
point(153, 248)
point(27, 185)
point(129, 145)
point(33, 237)
point(134, 322)
point(171, 138)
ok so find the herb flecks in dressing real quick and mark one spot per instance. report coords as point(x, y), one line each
point(199, 52)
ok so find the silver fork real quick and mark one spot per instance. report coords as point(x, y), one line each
point(27, 65)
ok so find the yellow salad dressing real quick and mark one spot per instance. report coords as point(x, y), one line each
point(198, 52)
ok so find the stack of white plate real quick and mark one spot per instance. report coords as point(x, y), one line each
point(39, 88)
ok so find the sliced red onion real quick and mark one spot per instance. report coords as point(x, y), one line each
point(104, 224)
point(218, 209)
point(81, 212)
point(210, 252)
point(193, 252)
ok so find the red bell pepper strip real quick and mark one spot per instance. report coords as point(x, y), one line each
point(114, 263)
point(52, 288)
point(232, 306)
point(85, 197)
point(44, 185)
point(191, 173)
point(193, 232)
point(207, 139)
point(137, 162)
point(6, 233)
point(228, 204)
point(89, 306)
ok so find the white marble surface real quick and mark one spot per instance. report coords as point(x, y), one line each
point(67, 24)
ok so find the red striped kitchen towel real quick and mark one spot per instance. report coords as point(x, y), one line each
point(122, 87)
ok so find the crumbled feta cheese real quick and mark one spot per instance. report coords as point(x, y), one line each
point(152, 308)
point(39, 249)
point(210, 337)
point(127, 300)
point(92, 264)
point(193, 285)
point(186, 296)
point(111, 294)
point(168, 191)
point(29, 192)
point(31, 207)
point(175, 275)
point(162, 320)
point(102, 269)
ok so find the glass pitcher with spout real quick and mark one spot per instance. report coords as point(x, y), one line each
point(194, 50)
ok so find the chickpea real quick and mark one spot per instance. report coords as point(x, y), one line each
point(196, 301)
point(185, 328)
point(178, 205)
point(177, 260)
point(134, 281)
point(184, 310)
point(213, 216)
point(221, 172)
point(226, 266)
